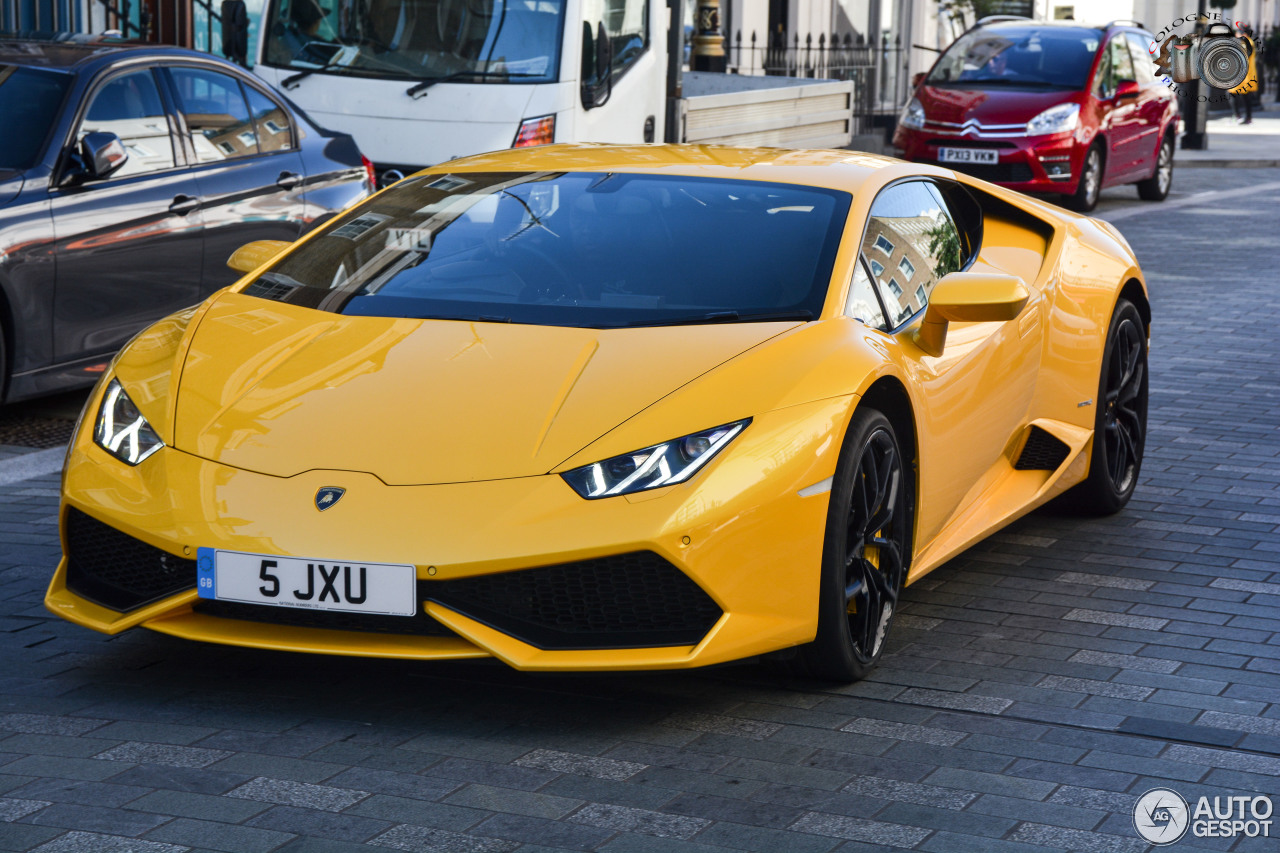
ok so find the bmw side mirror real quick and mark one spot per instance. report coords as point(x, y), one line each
point(1126, 89)
point(969, 297)
point(102, 154)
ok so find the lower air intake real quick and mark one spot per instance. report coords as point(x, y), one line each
point(636, 600)
point(115, 570)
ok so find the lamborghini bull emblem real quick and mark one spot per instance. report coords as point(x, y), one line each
point(327, 496)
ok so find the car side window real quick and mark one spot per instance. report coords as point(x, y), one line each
point(216, 114)
point(1143, 67)
point(626, 22)
point(913, 219)
point(130, 107)
point(862, 303)
point(1121, 62)
point(1102, 87)
point(275, 133)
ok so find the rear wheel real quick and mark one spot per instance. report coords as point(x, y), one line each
point(1086, 194)
point(865, 554)
point(1156, 187)
point(1120, 422)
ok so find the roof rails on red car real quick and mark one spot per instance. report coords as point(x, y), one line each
point(995, 19)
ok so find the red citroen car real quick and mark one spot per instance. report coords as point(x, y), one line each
point(1047, 107)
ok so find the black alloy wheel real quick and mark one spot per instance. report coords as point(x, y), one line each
point(1120, 423)
point(865, 555)
point(1156, 187)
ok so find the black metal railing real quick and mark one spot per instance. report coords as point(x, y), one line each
point(876, 68)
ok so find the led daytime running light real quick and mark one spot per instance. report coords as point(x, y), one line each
point(121, 430)
point(653, 467)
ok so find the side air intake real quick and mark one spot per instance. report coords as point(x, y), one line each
point(1042, 452)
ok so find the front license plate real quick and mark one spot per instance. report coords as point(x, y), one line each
point(967, 155)
point(383, 588)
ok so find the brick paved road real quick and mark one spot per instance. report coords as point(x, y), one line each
point(1036, 685)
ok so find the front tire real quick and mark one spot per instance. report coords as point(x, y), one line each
point(1120, 422)
point(865, 555)
point(1088, 189)
point(1156, 187)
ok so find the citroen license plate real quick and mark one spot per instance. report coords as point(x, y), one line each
point(967, 155)
point(381, 588)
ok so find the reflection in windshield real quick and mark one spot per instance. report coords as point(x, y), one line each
point(1018, 56)
point(469, 40)
point(572, 249)
point(29, 100)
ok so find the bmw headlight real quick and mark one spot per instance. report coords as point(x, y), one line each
point(912, 115)
point(661, 465)
point(1057, 119)
point(121, 429)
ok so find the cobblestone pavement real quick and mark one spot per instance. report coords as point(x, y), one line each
point(1035, 685)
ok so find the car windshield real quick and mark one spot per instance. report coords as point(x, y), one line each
point(1008, 56)
point(594, 250)
point(29, 100)
point(467, 40)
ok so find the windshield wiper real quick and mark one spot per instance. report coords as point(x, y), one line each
point(727, 317)
point(292, 81)
point(420, 88)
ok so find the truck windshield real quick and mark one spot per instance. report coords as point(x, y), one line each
point(466, 40)
point(584, 249)
point(1018, 56)
point(30, 99)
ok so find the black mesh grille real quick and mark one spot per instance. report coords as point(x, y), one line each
point(626, 601)
point(421, 625)
point(1009, 173)
point(115, 570)
point(1042, 452)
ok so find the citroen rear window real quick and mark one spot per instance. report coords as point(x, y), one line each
point(588, 249)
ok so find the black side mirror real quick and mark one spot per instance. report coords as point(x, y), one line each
point(597, 66)
point(235, 31)
point(102, 154)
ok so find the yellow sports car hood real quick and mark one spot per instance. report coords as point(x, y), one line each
point(279, 389)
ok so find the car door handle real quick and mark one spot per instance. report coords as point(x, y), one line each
point(288, 180)
point(184, 204)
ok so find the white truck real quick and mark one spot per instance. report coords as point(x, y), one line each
point(418, 82)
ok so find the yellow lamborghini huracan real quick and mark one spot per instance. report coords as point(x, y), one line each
point(602, 408)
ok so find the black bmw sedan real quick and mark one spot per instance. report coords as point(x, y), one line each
point(128, 175)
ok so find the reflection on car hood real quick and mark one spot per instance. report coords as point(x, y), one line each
point(989, 106)
point(10, 185)
point(281, 389)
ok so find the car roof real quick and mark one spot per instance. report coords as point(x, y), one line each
point(78, 52)
point(832, 169)
point(1078, 25)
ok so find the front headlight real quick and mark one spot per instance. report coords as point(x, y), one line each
point(912, 115)
point(1057, 119)
point(661, 465)
point(121, 429)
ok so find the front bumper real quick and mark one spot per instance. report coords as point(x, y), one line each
point(720, 568)
point(1031, 164)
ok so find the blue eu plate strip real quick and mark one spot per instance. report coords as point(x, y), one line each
point(206, 577)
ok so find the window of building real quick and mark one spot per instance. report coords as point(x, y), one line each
point(883, 245)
